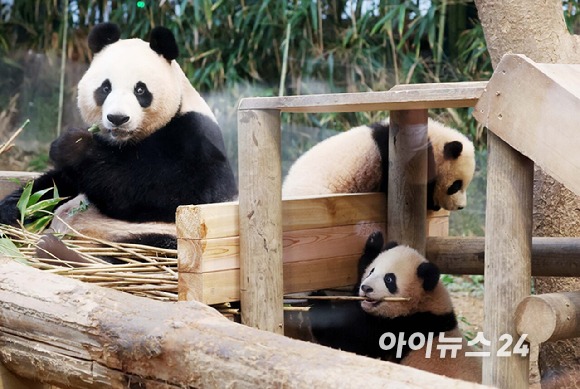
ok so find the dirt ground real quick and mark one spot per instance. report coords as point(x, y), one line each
point(469, 307)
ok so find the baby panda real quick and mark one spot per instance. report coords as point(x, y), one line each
point(159, 144)
point(396, 271)
point(356, 161)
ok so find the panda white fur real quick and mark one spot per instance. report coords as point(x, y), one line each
point(395, 271)
point(159, 146)
point(356, 161)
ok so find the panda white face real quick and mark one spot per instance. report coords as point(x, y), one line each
point(398, 272)
point(454, 158)
point(130, 91)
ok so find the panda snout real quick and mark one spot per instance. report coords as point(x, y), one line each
point(366, 289)
point(118, 120)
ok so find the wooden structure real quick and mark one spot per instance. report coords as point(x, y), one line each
point(261, 277)
point(322, 239)
point(531, 111)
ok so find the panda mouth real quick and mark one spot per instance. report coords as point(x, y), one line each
point(370, 303)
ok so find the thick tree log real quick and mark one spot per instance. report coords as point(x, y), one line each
point(76, 335)
point(549, 317)
point(550, 256)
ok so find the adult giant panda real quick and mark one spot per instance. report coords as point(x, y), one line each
point(159, 146)
point(396, 271)
point(356, 161)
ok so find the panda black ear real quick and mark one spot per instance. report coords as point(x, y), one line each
point(102, 35)
point(429, 272)
point(163, 43)
point(452, 150)
point(390, 245)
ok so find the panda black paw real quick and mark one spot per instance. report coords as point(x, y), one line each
point(374, 243)
point(9, 213)
point(69, 148)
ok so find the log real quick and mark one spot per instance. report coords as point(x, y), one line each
point(402, 97)
point(407, 189)
point(508, 244)
point(260, 176)
point(8, 380)
point(549, 317)
point(559, 257)
point(76, 335)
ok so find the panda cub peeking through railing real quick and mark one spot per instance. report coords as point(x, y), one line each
point(385, 330)
point(356, 161)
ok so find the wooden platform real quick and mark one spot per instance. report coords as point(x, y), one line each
point(400, 97)
point(323, 238)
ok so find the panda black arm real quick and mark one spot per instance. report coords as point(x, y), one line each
point(9, 213)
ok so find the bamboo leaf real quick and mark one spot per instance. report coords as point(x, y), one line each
point(23, 201)
point(10, 250)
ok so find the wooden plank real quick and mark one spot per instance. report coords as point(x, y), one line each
point(260, 221)
point(221, 220)
point(557, 257)
point(224, 286)
point(81, 336)
point(399, 99)
point(441, 85)
point(508, 244)
point(8, 186)
point(407, 189)
point(223, 253)
point(549, 317)
point(535, 108)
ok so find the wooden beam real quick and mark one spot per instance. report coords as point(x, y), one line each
point(223, 253)
point(209, 221)
point(260, 220)
point(535, 108)
point(76, 335)
point(407, 189)
point(549, 317)
point(428, 96)
point(508, 244)
point(555, 257)
point(224, 286)
point(7, 185)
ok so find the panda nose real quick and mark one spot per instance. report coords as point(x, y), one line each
point(118, 120)
point(366, 289)
point(460, 208)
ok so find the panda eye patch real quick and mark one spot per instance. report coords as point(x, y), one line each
point(102, 92)
point(144, 97)
point(455, 187)
point(391, 282)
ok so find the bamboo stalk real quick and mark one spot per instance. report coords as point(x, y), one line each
point(349, 298)
point(7, 145)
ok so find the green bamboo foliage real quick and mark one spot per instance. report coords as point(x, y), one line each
point(233, 49)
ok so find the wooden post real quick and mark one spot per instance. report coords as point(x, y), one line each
point(260, 177)
point(508, 243)
point(549, 317)
point(407, 189)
